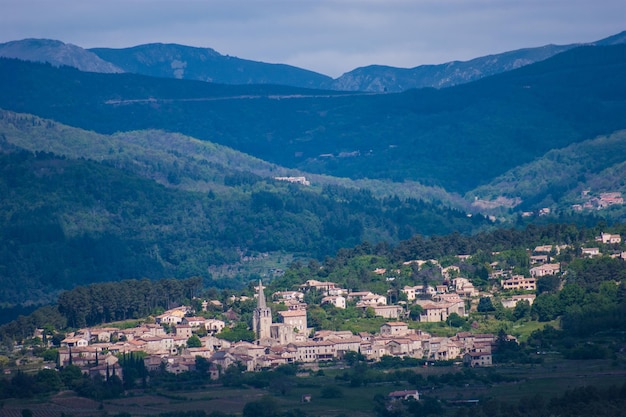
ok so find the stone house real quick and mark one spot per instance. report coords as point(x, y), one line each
point(474, 359)
point(214, 325)
point(396, 328)
point(388, 311)
point(296, 319)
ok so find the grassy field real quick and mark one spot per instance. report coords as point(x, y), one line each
point(551, 378)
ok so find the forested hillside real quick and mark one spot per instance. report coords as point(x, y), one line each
point(66, 221)
point(457, 138)
point(562, 175)
point(590, 297)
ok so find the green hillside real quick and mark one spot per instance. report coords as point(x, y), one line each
point(105, 208)
point(559, 177)
point(457, 138)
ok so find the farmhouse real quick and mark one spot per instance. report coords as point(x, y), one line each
point(404, 395)
point(388, 312)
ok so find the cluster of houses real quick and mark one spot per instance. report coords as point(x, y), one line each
point(599, 202)
point(91, 351)
point(96, 350)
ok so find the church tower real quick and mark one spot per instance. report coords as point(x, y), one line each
point(262, 316)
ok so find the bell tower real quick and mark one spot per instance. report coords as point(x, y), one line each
point(262, 316)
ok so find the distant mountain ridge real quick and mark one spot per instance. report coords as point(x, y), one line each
point(206, 64)
point(380, 78)
point(456, 138)
point(57, 53)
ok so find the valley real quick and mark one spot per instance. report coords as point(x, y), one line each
point(184, 233)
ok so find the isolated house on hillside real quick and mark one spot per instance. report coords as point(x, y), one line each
point(543, 249)
point(546, 269)
point(404, 395)
point(608, 238)
point(590, 252)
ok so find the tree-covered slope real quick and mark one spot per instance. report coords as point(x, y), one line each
point(559, 177)
point(133, 208)
point(458, 138)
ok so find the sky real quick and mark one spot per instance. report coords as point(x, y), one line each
point(327, 36)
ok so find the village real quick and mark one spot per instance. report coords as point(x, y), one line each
point(165, 341)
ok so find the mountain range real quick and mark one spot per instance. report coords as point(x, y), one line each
point(161, 160)
point(206, 64)
point(457, 138)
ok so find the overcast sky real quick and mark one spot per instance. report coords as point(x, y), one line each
point(327, 36)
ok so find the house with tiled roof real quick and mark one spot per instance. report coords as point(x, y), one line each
point(194, 322)
point(321, 286)
point(74, 342)
point(545, 269)
point(474, 359)
point(387, 311)
point(404, 395)
point(394, 328)
point(590, 252)
point(608, 238)
point(338, 301)
point(296, 319)
point(519, 282)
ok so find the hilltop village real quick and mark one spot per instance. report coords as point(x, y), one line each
point(174, 340)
